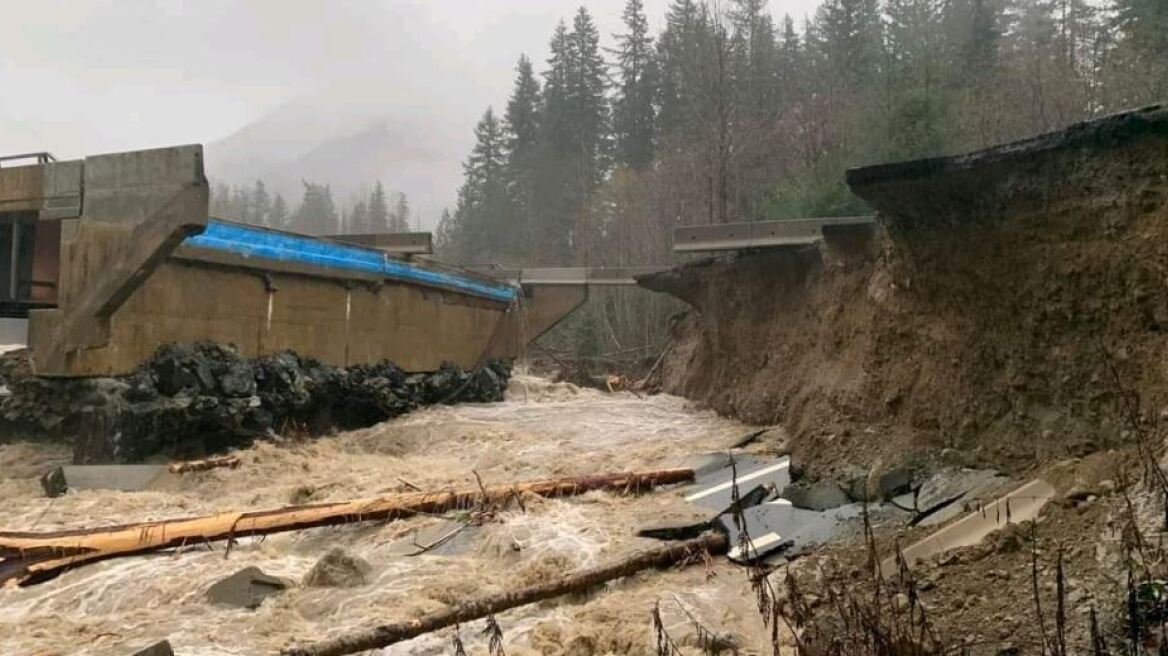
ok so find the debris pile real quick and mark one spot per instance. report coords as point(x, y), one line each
point(190, 399)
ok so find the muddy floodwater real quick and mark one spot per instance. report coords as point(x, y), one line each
point(542, 430)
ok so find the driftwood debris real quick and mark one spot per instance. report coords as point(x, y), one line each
point(183, 467)
point(388, 634)
point(32, 557)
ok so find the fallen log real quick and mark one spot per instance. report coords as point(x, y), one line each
point(388, 634)
point(182, 467)
point(32, 557)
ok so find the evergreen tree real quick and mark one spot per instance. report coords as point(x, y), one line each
point(278, 216)
point(1143, 25)
point(789, 63)
point(401, 214)
point(634, 110)
point(317, 214)
point(914, 70)
point(241, 205)
point(261, 205)
point(521, 125)
point(449, 241)
point(678, 61)
point(973, 33)
point(377, 216)
point(588, 103)
point(556, 196)
point(482, 199)
point(848, 32)
point(357, 222)
point(755, 57)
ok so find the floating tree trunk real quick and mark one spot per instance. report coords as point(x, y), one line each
point(27, 558)
point(388, 634)
point(185, 466)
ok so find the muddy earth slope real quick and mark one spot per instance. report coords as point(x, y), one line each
point(994, 315)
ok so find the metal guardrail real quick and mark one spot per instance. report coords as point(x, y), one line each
point(572, 276)
point(41, 158)
point(758, 234)
point(397, 243)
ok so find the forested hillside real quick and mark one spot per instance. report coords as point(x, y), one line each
point(316, 213)
point(730, 114)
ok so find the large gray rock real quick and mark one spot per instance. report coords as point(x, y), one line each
point(127, 478)
point(951, 492)
point(338, 569)
point(247, 588)
point(895, 481)
point(161, 648)
point(820, 496)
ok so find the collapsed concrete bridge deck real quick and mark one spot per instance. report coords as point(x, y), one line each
point(112, 256)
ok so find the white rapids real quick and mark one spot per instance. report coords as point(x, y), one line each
point(542, 430)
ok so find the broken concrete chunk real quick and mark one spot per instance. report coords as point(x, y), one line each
point(715, 490)
point(127, 478)
point(247, 588)
point(161, 648)
point(674, 530)
point(690, 530)
point(949, 493)
point(777, 526)
point(895, 481)
point(338, 569)
point(1023, 504)
point(820, 496)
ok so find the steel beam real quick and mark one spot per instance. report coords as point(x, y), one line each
point(573, 276)
point(758, 234)
point(395, 243)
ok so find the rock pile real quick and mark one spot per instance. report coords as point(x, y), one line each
point(190, 399)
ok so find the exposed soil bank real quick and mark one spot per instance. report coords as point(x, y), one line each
point(978, 322)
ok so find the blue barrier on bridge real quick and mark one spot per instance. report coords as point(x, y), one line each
point(251, 241)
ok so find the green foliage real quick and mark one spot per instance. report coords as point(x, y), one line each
point(377, 216)
point(317, 213)
point(818, 191)
point(634, 108)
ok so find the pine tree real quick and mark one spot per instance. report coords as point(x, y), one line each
point(849, 34)
point(400, 221)
point(678, 59)
point(377, 217)
point(241, 204)
point(588, 103)
point(634, 110)
point(755, 57)
point(278, 216)
point(449, 241)
point(317, 214)
point(521, 124)
point(790, 63)
point(357, 222)
point(556, 195)
point(261, 205)
point(482, 199)
point(914, 70)
point(1143, 24)
point(973, 32)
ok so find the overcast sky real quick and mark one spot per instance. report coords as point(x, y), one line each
point(82, 78)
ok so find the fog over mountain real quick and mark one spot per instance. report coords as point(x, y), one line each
point(340, 92)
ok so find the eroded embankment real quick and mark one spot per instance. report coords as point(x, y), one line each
point(980, 321)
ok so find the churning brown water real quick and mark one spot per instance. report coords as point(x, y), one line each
point(541, 430)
